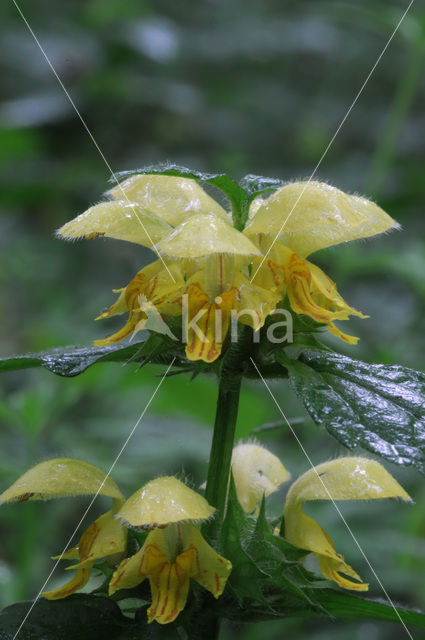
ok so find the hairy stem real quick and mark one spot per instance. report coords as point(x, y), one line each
point(233, 369)
point(222, 444)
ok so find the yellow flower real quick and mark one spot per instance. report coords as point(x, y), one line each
point(294, 222)
point(211, 273)
point(256, 472)
point(63, 477)
point(351, 478)
point(174, 550)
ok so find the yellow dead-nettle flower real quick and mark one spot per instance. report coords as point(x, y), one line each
point(351, 478)
point(174, 550)
point(257, 472)
point(211, 272)
point(294, 222)
point(63, 477)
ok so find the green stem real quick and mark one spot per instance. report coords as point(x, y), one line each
point(222, 443)
point(234, 367)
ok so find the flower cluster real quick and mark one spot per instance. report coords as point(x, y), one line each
point(347, 478)
point(174, 550)
point(210, 272)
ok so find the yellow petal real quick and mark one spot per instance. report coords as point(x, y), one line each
point(163, 501)
point(332, 569)
point(207, 567)
point(169, 581)
point(61, 477)
point(256, 472)
point(325, 292)
point(117, 219)
point(208, 323)
point(347, 478)
point(169, 558)
point(302, 531)
point(311, 292)
point(135, 322)
point(78, 582)
point(71, 554)
point(171, 198)
point(119, 307)
point(204, 235)
point(169, 589)
point(322, 217)
point(150, 286)
point(350, 478)
point(150, 558)
point(332, 328)
point(300, 287)
point(105, 537)
point(255, 302)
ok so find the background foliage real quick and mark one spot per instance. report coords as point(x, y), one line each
point(241, 87)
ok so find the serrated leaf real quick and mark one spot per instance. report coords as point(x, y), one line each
point(261, 570)
point(73, 360)
point(378, 407)
point(81, 616)
point(346, 605)
point(246, 578)
point(279, 560)
point(336, 604)
point(257, 185)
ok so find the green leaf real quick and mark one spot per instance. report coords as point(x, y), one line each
point(380, 408)
point(336, 604)
point(265, 566)
point(257, 185)
point(346, 605)
point(222, 181)
point(71, 361)
point(81, 616)
point(246, 578)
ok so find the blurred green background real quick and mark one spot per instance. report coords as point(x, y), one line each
point(242, 87)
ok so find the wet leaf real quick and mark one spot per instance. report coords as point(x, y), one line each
point(258, 185)
point(346, 605)
point(378, 407)
point(71, 361)
point(81, 616)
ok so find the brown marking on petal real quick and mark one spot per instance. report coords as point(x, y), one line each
point(151, 286)
point(94, 235)
point(24, 497)
point(278, 272)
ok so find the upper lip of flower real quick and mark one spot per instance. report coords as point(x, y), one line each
point(63, 477)
point(165, 500)
point(203, 235)
point(349, 478)
point(308, 216)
